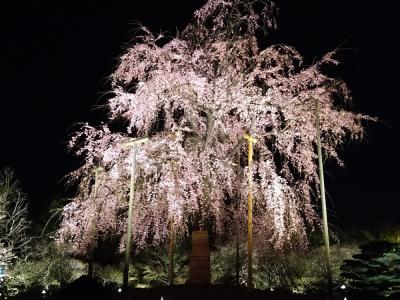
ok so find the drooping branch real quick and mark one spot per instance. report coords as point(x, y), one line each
point(213, 84)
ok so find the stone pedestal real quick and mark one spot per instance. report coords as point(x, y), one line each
point(199, 264)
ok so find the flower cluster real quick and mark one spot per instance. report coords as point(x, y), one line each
point(195, 97)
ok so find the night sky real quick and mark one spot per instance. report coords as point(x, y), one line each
point(56, 57)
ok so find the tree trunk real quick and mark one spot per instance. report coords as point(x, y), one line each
point(171, 251)
point(237, 277)
point(237, 261)
point(210, 127)
point(91, 267)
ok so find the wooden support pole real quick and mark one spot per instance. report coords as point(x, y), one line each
point(94, 226)
point(133, 143)
point(323, 199)
point(250, 141)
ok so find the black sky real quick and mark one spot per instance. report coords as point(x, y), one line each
point(57, 55)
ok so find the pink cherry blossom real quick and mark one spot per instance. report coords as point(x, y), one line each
point(195, 97)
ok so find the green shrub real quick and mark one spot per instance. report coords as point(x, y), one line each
point(150, 268)
point(110, 275)
point(287, 270)
point(375, 270)
point(224, 264)
point(45, 267)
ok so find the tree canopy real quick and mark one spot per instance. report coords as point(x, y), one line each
point(195, 96)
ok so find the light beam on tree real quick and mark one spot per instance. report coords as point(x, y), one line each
point(134, 144)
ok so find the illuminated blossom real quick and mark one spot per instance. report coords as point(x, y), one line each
point(195, 97)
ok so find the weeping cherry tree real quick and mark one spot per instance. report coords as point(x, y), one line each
point(196, 96)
